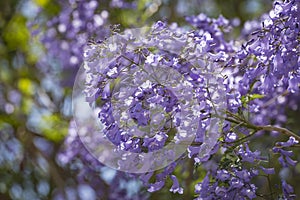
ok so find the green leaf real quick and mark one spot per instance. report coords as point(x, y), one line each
point(41, 3)
point(55, 128)
point(16, 33)
point(25, 86)
point(256, 96)
point(250, 97)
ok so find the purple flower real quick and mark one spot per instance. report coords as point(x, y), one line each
point(291, 161)
point(285, 155)
point(123, 4)
point(247, 155)
point(287, 190)
point(156, 186)
point(250, 192)
point(292, 141)
point(267, 170)
point(175, 187)
point(244, 175)
point(139, 114)
point(146, 177)
point(193, 151)
point(236, 183)
point(230, 137)
point(223, 175)
point(204, 189)
point(159, 25)
point(221, 191)
point(156, 142)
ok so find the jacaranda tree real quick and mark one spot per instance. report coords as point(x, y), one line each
point(150, 100)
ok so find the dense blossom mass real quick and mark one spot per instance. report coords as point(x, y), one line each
point(175, 107)
point(172, 101)
point(272, 60)
point(68, 32)
point(251, 76)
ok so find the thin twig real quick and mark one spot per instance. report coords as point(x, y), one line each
point(280, 130)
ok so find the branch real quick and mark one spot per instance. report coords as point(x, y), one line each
point(236, 119)
point(280, 130)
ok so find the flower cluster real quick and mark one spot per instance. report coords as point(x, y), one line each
point(150, 98)
point(74, 26)
point(285, 160)
point(141, 87)
point(269, 64)
point(214, 30)
point(285, 156)
point(67, 33)
point(92, 179)
point(232, 179)
point(228, 185)
point(163, 92)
